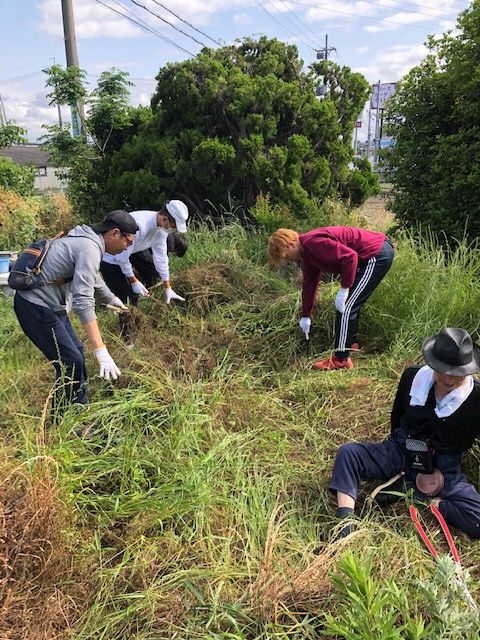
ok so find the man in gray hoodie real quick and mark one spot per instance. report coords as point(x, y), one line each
point(73, 263)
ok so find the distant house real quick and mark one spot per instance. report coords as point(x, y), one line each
point(35, 155)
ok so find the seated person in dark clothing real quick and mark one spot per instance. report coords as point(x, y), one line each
point(435, 419)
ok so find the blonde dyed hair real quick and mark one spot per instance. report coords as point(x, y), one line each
point(278, 244)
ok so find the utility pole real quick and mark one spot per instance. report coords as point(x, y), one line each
point(322, 54)
point(78, 114)
point(3, 115)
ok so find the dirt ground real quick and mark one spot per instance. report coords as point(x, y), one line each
point(375, 210)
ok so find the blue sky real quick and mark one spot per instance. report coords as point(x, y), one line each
point(380, 38)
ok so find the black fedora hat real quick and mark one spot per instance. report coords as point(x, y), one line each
point(452, 351)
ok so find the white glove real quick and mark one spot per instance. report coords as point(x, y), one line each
point(139, 288)
point(107, 365)
point(171, 295)
point(341, 299)
point(305, 324)
point(117, 305)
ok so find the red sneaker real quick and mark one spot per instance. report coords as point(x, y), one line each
point(355, 347)
point(329, 364)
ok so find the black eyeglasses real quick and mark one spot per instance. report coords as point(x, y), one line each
point(127, 238)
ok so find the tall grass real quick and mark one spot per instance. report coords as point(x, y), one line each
point(192, 506)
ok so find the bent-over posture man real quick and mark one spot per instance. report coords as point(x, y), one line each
point(74, 259)
point(143, 263)
point(435, 420)
point(360, 257)
point(153, 230)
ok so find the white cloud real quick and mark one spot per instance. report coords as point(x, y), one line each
point(242, 18)
point(400, 18)
point(339, 9)
point(93, 20)
point(362, 49)
point(393, 63)
point(28, 108)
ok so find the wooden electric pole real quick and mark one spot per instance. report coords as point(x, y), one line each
point(78, 113)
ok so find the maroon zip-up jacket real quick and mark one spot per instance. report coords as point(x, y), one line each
point(336, 250)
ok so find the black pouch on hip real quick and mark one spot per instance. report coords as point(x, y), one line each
point(418, 455)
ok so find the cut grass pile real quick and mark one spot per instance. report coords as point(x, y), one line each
point(193, 506)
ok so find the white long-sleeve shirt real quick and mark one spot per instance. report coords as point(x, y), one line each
point(148, 236)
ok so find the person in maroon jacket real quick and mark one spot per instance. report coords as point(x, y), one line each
point(360, 257)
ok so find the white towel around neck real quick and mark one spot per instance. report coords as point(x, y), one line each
point(421, 385)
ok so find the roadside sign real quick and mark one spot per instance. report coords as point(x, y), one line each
point(385, 143)
point(381, 93)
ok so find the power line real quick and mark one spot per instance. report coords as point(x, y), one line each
point(24, 77)
point(145, 27)
point(304, 26)
point(356, 15)
point(290, 34)
point(418, 13)
point(188, 23)
point(423, 6)
point(169, 23)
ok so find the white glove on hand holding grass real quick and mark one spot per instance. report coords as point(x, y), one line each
point(341, 299)
point(108, 368)
point(171, 295)
point(117, 306)
point(139, 288)
point(305, 324)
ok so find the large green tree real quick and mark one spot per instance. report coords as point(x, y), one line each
point(240, 120)
point(435, 120)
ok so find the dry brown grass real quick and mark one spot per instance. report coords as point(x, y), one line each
point(40, 595)
point(375, 211)
point(9, 201)
point(281, 590)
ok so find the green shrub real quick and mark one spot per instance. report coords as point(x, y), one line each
point(18, 178)
point(361, 183)
point(272, 216)
point(370, 608)
point(24, 219)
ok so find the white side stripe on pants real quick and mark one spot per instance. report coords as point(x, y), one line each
point(351, 301)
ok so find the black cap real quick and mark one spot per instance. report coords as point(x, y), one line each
point(118, 219)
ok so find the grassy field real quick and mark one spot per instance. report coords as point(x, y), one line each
point(193, 504)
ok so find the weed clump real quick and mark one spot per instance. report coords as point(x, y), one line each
point(41, 590)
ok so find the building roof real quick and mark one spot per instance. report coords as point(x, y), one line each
point(33, 154)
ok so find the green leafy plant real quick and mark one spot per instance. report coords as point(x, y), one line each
point(15, 177)
point(370, 608)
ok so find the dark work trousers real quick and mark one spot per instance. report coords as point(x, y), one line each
point(53, 334)
point(142, 262)
point(460, 502)
point(369, 275)
point(116, 281)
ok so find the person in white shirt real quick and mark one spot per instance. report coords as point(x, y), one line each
point(153, 231)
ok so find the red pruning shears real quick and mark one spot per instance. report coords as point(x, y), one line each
point(451, 546)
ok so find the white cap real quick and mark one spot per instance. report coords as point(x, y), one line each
point(179, 211)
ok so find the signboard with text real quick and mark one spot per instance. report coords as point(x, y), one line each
point(381, 93)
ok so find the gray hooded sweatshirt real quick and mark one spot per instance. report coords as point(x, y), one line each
point(76, 255)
